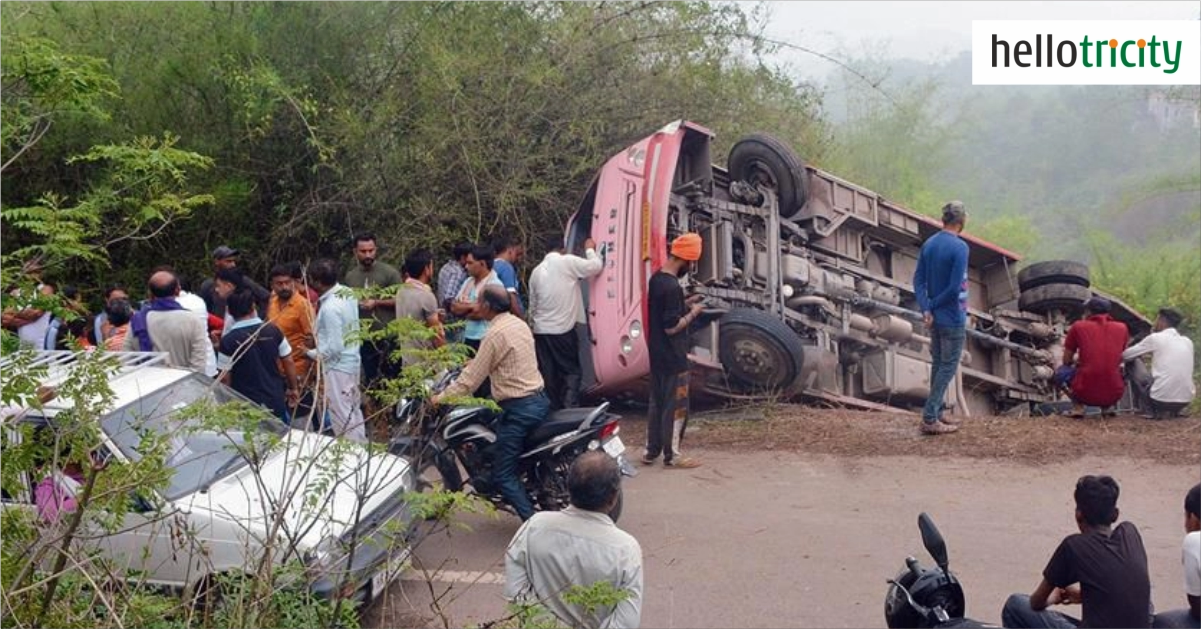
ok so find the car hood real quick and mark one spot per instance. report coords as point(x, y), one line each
point(317, 483)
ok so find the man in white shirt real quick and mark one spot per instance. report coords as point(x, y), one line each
point(337, 351)
point(31, 323)
point(556, 308)
point(580, 545)
point(1169, 388)
point(194, 304)
point(1190, 556)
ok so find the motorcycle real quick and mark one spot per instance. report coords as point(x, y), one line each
point(921, 597)
point(443, 438)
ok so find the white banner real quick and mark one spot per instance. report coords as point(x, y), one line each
point(1086, 52)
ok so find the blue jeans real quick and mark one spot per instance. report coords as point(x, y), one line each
point(1017, 614)
point(946, 346)
point(521, 416)
point(1064, 376)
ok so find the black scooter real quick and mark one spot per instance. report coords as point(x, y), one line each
point(921, 597)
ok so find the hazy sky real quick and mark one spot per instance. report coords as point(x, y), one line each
point(929, 31)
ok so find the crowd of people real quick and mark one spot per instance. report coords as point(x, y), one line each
point(1095, 352)
point(267, 341)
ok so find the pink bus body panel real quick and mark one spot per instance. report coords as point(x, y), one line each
point(632, 183)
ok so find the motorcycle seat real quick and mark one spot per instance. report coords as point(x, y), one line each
point(577, 415)
point(564, 421)
point(552, 427)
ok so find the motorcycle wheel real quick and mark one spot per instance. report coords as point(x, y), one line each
point(443, 463)
point(551, 488)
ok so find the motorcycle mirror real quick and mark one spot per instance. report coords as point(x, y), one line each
point(932, 540)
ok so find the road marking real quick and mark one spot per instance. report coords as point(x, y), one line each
point(457, 576)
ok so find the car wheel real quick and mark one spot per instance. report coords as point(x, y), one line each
point(1068, 298)
point(213, 589)
point(764, 161)
point(1053, 272)
point(759, 352)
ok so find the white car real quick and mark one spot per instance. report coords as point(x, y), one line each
point(218, 510)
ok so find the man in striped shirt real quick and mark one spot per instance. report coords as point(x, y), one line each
point(507, 357)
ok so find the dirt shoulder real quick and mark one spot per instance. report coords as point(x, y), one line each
point(849, 433)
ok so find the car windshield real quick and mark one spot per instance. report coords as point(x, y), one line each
point(196, 455)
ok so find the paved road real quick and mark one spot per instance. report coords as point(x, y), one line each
point(789, 540)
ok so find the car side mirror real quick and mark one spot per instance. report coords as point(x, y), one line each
point(140, 504)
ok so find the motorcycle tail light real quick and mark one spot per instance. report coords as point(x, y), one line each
point(609, 430)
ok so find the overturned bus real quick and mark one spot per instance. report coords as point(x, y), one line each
point(808, 284)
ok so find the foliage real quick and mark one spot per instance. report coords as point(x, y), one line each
point(244, 602)
point(139, 192)
point(599, 595)
point(894, 141)
point(43, 84)
point(1015, 232)
point(1169, 275)
point(465, 119)
point(534, 614)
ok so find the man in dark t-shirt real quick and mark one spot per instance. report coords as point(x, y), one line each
point(668, 316)
point(1103, 568)
point(227, 258)
point(250, 355)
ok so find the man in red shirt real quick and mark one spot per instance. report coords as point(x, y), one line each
point(1092, 356)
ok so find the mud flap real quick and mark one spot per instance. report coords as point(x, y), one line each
point(627, 469)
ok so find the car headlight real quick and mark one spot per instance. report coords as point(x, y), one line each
point(318, 559)
point(635, 329)
point(627, 345)
point(409, 478)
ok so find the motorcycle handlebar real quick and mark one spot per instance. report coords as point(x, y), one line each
point(918, 607)
point(444, 381)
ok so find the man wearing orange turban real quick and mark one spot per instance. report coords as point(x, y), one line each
point(669, 316)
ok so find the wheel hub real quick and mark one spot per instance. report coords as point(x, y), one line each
point(754, 360)
point(761, 175)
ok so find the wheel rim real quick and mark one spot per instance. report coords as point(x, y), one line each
point(757, 360)
point(759, 174)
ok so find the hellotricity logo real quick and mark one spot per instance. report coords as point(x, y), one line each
point(1086, 53)
point(1000, 49)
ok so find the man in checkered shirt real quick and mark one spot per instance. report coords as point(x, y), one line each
point(507, 357)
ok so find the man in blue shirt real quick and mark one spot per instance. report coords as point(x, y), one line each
point(940, 283)
point(509, 253)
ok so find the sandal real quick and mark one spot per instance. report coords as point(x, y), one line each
point(1077, 412)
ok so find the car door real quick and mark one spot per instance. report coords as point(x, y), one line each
point(157, 545)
